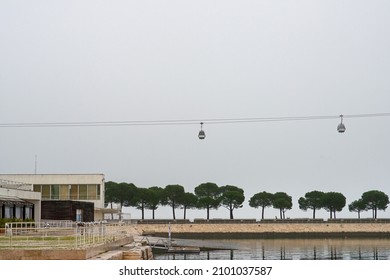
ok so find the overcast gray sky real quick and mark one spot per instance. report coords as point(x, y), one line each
point(73, 61)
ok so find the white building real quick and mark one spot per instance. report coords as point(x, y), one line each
point(74, 187)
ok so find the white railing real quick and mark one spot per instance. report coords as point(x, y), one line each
point(15, 185)
point(88, 234)
point(59, 234)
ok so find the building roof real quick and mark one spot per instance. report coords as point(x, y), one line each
point(13, 200)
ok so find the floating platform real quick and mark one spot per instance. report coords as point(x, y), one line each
point(183, 250)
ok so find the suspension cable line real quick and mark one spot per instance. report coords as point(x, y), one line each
point(185, 121)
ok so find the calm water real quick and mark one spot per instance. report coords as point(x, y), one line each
point(287, 249)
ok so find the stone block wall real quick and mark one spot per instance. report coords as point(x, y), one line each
point(269, 230)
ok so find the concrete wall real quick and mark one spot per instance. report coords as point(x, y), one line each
point(304, 230)
point(48, 254)
point(61, 254)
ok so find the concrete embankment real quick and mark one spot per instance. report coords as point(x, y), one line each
point(62, 254)
point(131, 251)
point(271, 230)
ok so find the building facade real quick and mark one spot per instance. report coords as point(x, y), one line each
point(78, 211)
point(67, 187)
point(18, 200)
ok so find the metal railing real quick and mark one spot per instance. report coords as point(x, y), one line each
point(15, 185)
point(160, 243)
point(90, 234)
point(59, 234)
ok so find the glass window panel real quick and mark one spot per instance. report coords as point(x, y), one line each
point(64, 192)
point(45, 191)
point(28, 213)
point(74, 192)
point(98, 192)
point(92, 192)
point(79, 215)
point(55, 192)
point(83, 192)
point(18, 212)
point(37, 188)
point(8, 212)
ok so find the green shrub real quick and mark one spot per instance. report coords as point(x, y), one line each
point(13, 220)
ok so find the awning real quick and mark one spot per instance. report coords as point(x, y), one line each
point(13, 200)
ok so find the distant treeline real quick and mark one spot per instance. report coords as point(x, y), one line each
point(210, 196)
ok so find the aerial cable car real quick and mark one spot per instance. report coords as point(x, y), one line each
point(341, 126)
point(201, 134)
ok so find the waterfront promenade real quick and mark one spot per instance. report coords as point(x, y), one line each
point(128, 244)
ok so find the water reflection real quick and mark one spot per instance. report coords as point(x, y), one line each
point(294, 249)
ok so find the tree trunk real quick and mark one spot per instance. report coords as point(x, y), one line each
point(262, 213)
point(173, 211)
point(314, 213)
point(334, 214)
point(143, 212)
point(112, 214)
point(281, 215)
point(231, 214)
point(185, 212)
point(153, 214)
point(358, 214)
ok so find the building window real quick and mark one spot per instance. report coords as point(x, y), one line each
point(64, 192)
point(55, 192)
point(37, 188)
point(83, 192)
point(74, 192)
point(69, 192)
point(98, 191)
point(28, 212)
point(18, 212)
point(79, 215)
point(45, 192)
point(8, 212)
point(92, 192)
